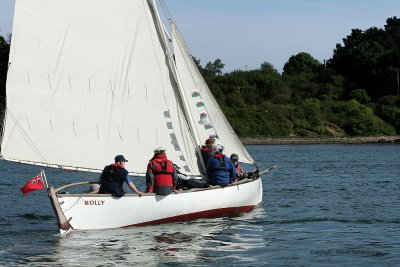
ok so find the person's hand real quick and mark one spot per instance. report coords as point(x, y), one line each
point(140, 193)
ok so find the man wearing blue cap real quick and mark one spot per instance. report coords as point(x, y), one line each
point(113, 177)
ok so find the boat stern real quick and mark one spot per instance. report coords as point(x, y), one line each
point(63, 223)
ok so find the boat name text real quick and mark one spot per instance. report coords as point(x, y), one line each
point(94, 202)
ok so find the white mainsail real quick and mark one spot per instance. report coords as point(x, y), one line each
point(209, 118)
point(89, 80)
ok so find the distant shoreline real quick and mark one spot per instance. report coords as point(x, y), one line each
point(321, 140)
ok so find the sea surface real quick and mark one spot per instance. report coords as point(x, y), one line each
point(324, 205)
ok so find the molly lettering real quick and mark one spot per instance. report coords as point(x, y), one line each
point(94, 202)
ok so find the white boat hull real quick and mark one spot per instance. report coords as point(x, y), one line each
point(100, 211)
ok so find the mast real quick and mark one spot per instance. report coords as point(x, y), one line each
point(180, 88)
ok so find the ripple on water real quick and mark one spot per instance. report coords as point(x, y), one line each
point(323, 199)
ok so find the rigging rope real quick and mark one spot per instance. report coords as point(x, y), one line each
point(26, 137)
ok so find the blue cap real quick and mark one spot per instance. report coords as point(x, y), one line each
point(235, 156)
point(120, 158)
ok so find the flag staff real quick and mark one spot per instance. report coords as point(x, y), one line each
point(44, 178)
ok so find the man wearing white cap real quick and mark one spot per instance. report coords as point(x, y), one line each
point(161, 174)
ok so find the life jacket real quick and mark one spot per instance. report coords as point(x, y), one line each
point(112, 180)
point(220, 170)
point(163, 171)
point(239, 169)
point(222, 163)
point(206, 148)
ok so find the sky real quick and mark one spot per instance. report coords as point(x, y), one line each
point(246, 33)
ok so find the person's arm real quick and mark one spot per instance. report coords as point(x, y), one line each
point(132, 185)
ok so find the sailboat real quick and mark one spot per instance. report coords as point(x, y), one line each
point(91, 79)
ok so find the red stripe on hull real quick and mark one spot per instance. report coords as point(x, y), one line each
point(198, 215)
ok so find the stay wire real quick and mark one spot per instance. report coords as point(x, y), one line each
point(27, 139)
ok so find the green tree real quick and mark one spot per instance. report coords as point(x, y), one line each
point(301, 63)
point(215, 68)
point(310, 111)
point(367, 58)
point(357, 119)
point(4, 52)
point(267, 67)
point(360, 95)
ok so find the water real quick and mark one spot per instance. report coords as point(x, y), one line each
point(331, 205)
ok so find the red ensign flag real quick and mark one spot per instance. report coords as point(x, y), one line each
point(36, 183)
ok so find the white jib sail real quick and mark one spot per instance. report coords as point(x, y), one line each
point(208, 116)
point(89, 79)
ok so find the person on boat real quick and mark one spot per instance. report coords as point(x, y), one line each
point(161, 174)
point(240, 173)
point(184, 182)
point(182, 179)
point(179, 174)
point(207, 150)
point(220, 169)
point(113, 177)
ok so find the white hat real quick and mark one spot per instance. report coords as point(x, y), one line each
point(160, 150)
point(219, 148)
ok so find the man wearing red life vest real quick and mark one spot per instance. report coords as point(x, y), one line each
point(161, 174)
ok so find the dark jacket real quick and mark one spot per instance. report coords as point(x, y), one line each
point(112, 179)
point(207, 153)
point(220, 170)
